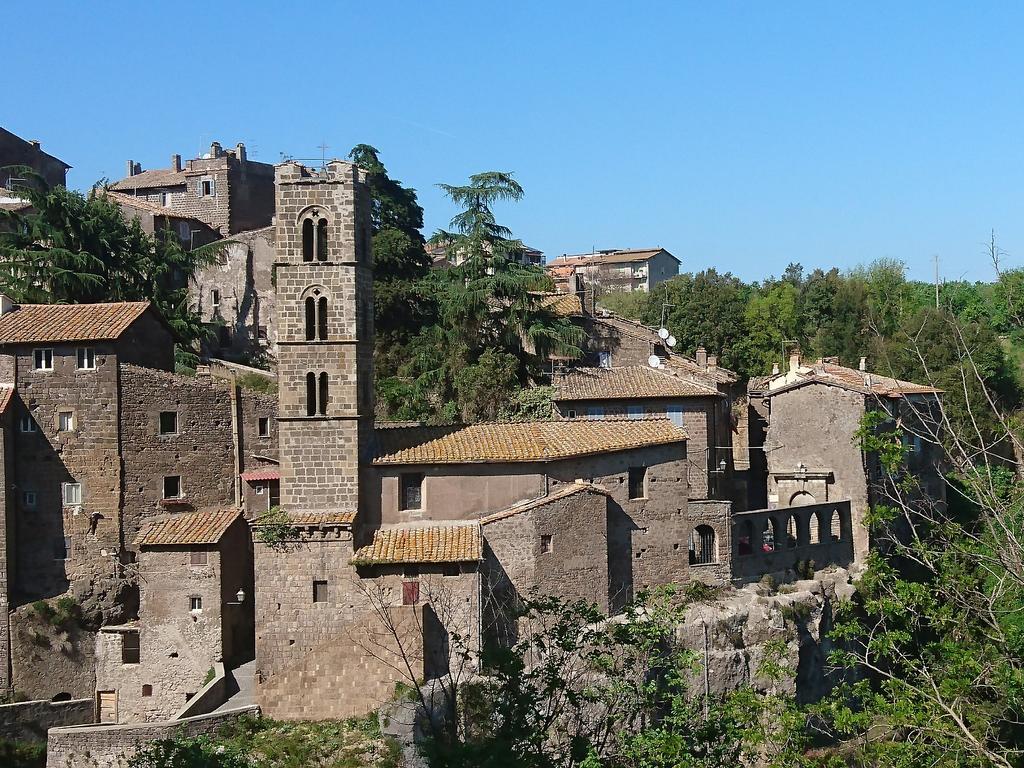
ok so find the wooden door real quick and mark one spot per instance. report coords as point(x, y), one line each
point(106, 703)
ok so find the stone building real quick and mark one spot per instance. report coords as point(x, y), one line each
point(223, 189)
point(15, 150)
point(640, 392)
point(390, 526)
point(441, 259)
point(614, 270)
point(195, 611)
point(102, 438)
point(811, 414)
point(154, 218)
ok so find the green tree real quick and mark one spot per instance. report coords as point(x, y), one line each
point(72, 248)
point(771, 320)
point(845, 334)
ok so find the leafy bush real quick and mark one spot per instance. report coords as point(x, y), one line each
point(254, 382)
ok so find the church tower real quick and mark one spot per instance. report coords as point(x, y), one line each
point(324, 279)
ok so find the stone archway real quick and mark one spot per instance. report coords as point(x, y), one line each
point(801, 499)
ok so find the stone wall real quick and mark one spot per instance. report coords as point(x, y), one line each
point(814, 425)
point(242, 276)
point(571, 562)
point(47, 661)
point(7, 543)
point(29, 720)
point(110, 746)
point(780, 539)
point(201, 452)
point(718, 515)
point(58, 545)
point(15, 150)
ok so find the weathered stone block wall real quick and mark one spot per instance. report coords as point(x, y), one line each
point(47, 661)
point(7, 545)
point(201, 452)
point(312, 479)
point(47, 458)
point(255, 449)
point(718, 516)
point(243, 276)
point(575, 568)
point(177, 646)
point(814, 425)
point(29, 720)
point(147, 343)
point(111, 746)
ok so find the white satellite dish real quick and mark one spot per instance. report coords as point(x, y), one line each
point(663, 333)
point(654, 361)
point(671, 341)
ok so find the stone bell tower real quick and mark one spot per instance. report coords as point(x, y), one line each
point(324, 282)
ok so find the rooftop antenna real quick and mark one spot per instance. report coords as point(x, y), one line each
point(323, 153)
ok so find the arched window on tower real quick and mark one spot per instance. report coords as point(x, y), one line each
point(311, 394)
point(321, 318)
point(308, 235)
point(310, 318)
point(323, 394)
point(321, 240)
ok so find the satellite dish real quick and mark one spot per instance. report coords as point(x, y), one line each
point(663, 333)
point(671, 341)
point(654, 361)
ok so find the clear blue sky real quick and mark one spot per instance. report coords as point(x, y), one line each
point(738, 135)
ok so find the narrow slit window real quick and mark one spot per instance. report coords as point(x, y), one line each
point(321, 240)
point(311, 394)
point(310, 318)
point(547, 543)
point(215, 298)
point(307, 240)
point(321, 318)
point(322, 405)
point(264, 426)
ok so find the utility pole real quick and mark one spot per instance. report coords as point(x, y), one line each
point(936, 258)
point(707, 672)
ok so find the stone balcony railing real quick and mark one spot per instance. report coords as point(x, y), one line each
point(775, 540)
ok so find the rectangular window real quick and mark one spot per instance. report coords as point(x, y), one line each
point(275, 493)
point(130, 648)
point(637, 482)
point(43, 359)
point(28, 498)
point(595, 412)
point(260, 489)
point(411, 490)
point(147, 690)
point(261, 332)
point(198, 557)
point(570, 414)
point(635, 411)
point(604, 359)
point(264, 426)
point(206, 187)
point(172, 487)
point(72, 494)
point(319, 591)
point(168, 422)
point(410, 592)
point(224, 336)
point(27, 424)
point(215, 298)
point(66, 421)
point(165, 199)
point(546, 543)
point(675, 414)
point(86, 359)
point(195, 603)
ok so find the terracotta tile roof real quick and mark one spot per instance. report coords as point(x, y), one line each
point(10, 201)
point(203, 527)
point(39, 323)
point(261, 473)
point(562, 304)
point(847, 378)
point(449, 543)
point(526, 441)
point(6, 396)
point(311, 519)
point(525, 506)
point(160, 177)
point(622, 256)
point(139, 203)
point(628, 383)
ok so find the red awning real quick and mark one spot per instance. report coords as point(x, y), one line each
point(262, 473)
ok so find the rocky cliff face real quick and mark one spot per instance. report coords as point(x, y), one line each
point(734, 631)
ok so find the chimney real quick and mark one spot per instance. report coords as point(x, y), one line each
point(712, 362)
point(215, 149)
point(702, 358)
point(175, 163)
point(794, 359)
point(240, 152)
point(863, 364)
point(130, 168)
point(6, 304)
point(775, 369)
